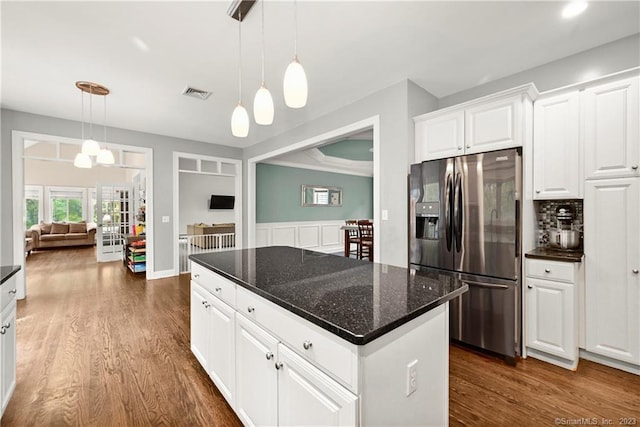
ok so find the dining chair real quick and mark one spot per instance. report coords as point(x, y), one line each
point(354, 237)
point(365, 232)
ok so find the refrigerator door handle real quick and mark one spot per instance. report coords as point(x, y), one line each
point(485, 285)
point(447, 211)
point(457, 212)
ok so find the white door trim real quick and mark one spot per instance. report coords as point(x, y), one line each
point(17, 175)
point(369, 122)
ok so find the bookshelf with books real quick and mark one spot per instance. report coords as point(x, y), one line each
point(135, 254)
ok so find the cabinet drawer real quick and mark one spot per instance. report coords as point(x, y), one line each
point(7, 293)
point(214, 283)
point(325, 350)
point(551, 270)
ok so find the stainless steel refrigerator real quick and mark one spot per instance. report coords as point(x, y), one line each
point(464, 216)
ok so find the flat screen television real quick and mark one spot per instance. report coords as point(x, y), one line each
point(221, 202)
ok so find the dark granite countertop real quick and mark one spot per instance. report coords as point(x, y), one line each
point(555, 255)
point(357, 300)
point(6, 271)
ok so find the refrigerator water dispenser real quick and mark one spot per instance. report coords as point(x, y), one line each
point(427, 220)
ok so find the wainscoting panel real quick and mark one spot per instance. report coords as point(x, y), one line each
point(308, 236)
point(321, 236)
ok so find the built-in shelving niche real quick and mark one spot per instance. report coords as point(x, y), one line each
point(209, 167)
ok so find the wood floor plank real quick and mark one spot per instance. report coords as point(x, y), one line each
point(101, 346)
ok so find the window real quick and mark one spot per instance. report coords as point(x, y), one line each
point(32, 205)
point(67, 204)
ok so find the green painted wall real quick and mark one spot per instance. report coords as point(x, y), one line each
point(278, 195)
point(350, 149)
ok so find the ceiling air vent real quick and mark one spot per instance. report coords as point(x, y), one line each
point(196, 93)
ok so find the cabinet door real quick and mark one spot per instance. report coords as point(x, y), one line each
point(556, 148)
point(493, 126)
point(222, 367)
point(611, 129)
point(308, 397)
point(612, 260)
point(256, 374)
point(551, 314)
point(200, 339)
point(440, 136)
point(8, 353)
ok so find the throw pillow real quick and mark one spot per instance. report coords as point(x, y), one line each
point(75, 227)
point(45, 227)
point(59, 228)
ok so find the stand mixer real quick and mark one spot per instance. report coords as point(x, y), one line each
point(564, 236)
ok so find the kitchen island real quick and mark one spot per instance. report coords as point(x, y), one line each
point(296, 337)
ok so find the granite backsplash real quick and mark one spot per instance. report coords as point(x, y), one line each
point(546, 217)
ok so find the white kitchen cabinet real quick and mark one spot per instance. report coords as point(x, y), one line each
point(552, 311)
point(439, 136)
point(200, 337)
point(557, 161)
point(8, 352)
point(612, 129)
point(222, 357)
point(489, 123)
point(612, 258)
point(256, 374)
point(307, 396)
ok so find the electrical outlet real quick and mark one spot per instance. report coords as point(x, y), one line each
point(412, 377)
point(165, 219)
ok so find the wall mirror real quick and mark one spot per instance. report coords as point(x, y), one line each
point(319, 195)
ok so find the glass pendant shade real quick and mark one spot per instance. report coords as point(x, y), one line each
point(105, 157)
point(90, 147)
point(240, 121)
point(263, 106)
point(82, 160)
point(295, 85)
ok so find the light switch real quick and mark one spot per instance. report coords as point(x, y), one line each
point(165, 219)
point(385, 215)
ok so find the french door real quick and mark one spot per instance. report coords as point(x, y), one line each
point(113, 209)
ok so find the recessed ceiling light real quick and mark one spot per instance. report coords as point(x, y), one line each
point(573, 9)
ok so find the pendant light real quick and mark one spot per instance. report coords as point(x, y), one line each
point(295, 79)
point(82, 160)
point(263, 102)
point(240, 117)
point(105, 156)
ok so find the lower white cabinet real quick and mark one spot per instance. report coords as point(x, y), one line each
point(7, 342)
point(552, 311)
point(200, 338)
point(612, 257)
point(256, 374)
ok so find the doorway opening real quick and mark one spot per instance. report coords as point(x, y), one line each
point(255, 236)
point(42, 168)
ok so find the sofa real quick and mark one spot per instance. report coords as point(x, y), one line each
point(202, 235)
point(62, 234)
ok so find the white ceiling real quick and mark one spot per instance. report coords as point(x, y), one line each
point(348, 48)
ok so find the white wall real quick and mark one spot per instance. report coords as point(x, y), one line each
point(195, 192)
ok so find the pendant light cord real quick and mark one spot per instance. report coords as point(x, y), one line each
point(295, 29)
point(105, 122)
point(240, 56)
point(90, 112)
point(262, 8)
point(82, 114)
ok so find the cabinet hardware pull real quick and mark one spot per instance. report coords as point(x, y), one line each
point(468, 146)
point(546, 270)
point(204, 303)
point(7, 325)
point(269, 356)
point(529, 286)
point(207, 305)
point(459, 147)
point(3, 330)
point(307, 345)
point(537, 191)
point(251, 309)
point(12, 291)
point(196, 276)
point(218, 289)
point(278, 365)
point(635, 271)
point(634, 167)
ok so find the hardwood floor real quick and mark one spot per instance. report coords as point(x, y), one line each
point(100, 346)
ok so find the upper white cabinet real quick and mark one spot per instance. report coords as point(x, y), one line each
point(611, 129)
point(439, 137)
point(612, 260)
point(490, 123)
point(557, 161)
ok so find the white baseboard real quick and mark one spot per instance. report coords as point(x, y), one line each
point(612, 363)
point(152, 275)
point(555, 360)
